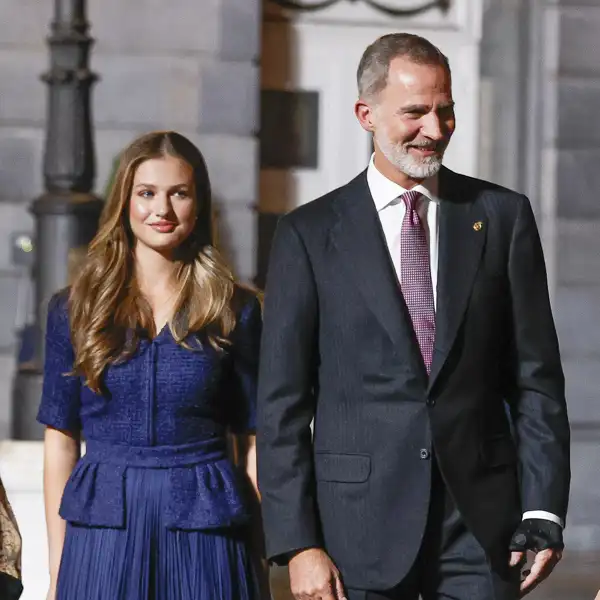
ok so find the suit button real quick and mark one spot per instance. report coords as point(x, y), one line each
point(424, 453)
point(430, 402)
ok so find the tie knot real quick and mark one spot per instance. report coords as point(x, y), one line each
point(410, 199)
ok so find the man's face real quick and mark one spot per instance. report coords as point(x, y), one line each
point(413, 118)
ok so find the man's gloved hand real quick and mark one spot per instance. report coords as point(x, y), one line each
point(543, 537)
point(536, 535)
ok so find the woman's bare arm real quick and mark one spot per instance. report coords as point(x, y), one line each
point(250, 462)
point(246, 458)
point(62, 449)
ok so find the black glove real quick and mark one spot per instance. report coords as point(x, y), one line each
point(537, 534)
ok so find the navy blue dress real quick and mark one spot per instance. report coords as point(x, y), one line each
point(155, 510)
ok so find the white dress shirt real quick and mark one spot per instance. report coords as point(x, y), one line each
point(391, 210)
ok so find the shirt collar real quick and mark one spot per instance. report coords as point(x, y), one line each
point(385, 191)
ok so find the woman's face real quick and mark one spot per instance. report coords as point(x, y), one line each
point(162, 206)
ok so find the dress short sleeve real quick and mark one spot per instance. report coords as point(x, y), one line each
point(60, 403)
point(245, 348)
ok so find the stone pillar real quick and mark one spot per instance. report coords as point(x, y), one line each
point(67, 213)
point(503, 135)
point(540, 64)
point(574, 161)
point(569, 213)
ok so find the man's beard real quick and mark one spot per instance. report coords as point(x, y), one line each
point(399, 156)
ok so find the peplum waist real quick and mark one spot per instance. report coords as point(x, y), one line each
point(206, 491)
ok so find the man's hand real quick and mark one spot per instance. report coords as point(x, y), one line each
point(545, 539)
point(313, 576)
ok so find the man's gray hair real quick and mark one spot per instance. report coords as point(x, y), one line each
point(374, 66)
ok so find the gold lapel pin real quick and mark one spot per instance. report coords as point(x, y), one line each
point(478, 225)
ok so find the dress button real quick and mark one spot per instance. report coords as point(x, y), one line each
point(430, 402)
point(424, 453)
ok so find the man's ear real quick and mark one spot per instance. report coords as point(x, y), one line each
point(364, 114)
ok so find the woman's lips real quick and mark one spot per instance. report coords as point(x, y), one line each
point(163, 226)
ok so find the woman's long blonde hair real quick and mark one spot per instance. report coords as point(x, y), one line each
point(106, 309)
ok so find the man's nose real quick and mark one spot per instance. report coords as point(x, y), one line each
point(433, 128)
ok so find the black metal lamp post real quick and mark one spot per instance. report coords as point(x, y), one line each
point(67, 212)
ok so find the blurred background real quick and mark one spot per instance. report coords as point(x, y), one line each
point(266, 90)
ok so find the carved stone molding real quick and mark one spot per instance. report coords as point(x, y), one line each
point(385, 6)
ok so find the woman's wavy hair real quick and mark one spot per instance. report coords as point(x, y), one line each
point(107, 311)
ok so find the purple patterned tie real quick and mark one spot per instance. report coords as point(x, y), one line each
point(415, 275)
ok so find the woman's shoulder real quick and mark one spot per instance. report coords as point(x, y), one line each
point(246, 301)
point(246, 304)
point(59, 302)
point(58, 313)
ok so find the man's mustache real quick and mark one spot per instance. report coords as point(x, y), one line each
point(427, 145)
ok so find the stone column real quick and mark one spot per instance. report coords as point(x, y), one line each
point(568, 62)
point(66, 214)
point(542, 60)
point(504, 132)
point(573, 156)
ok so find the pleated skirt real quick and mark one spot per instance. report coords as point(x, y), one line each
point(147, 561)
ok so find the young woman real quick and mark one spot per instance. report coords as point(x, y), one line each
point(152, 357)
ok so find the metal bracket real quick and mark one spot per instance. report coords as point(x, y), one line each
point(423, 6)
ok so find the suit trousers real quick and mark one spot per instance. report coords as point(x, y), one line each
point(451, 564)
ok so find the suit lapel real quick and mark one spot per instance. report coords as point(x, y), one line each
point(462, 234)
point(360, 241)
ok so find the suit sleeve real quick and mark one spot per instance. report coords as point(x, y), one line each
point(286, 401)
point(537, 401)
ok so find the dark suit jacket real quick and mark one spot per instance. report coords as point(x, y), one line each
point(338, 346)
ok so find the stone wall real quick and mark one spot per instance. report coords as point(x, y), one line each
point(189, 65)
point(541, 75)
point(503, 68)
point(572, 158)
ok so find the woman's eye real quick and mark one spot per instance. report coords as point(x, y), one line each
point(181, 194)
point(146, 194)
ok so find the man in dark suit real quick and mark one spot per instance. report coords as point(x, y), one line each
point(407, 314)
